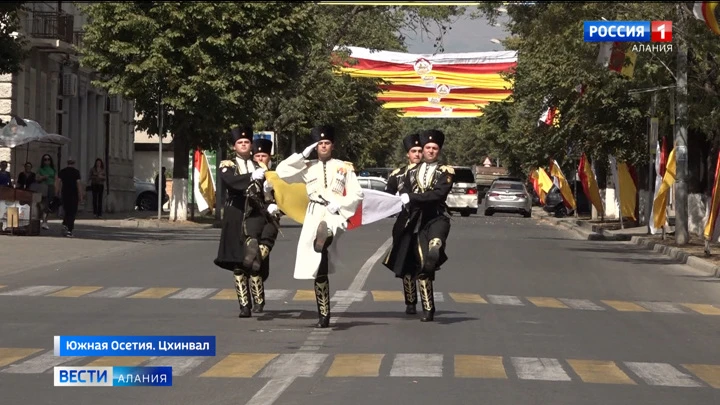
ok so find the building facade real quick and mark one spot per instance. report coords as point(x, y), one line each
point(55, 91)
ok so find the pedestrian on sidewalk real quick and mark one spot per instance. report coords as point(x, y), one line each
point(5, 177)
point(97, 186)
point(423, 238)
point(26, 179)
point(395, 184)
point(46, 177)
point(71, 193)
point(334, 193)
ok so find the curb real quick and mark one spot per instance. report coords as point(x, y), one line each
point(148, 224)
point(590, 232)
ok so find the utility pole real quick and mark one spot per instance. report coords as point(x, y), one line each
point(652, 142)
point(681, 154)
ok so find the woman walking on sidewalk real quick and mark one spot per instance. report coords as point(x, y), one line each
point(97, 186)
point(46, 177)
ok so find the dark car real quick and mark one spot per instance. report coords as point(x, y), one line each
point(554, 201)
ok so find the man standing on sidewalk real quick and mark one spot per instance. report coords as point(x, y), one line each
point(401, 239)
point(68, 182)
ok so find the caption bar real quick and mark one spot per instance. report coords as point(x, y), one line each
point(113, 376)
point(157, 346)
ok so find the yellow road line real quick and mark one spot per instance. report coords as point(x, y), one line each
point(705, 309)
point(600, 372)
point(464, 298)
point(118, 361)
point(388, 296)
point(225, 294)
point(706, 372)
point(473, 366)
point(355, 365)
point(304, 295)
point(74, 291)
point(625, 306)
point(9, 355)
point(243, 365)
point(546, 302)
point(154, 292)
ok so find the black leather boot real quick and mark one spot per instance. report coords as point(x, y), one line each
point(251, 260)
point(322, 297)
point(257, 290)
point(427, 298)
point(410, 292)
point(323, 237)
point(243, 294)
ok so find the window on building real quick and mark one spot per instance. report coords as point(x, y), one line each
point(59, 116)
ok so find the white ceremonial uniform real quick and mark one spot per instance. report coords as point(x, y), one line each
point(329, 181)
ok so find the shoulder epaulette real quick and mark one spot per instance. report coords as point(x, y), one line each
point(447, 169)
point(396, 171)
point(227, 163)
point(349, 165)
point(411, 166)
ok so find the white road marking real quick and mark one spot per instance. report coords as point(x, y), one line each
point(438, 296)
point(194, 293)
point(662, 374)
point(665, 307)
point(274, 388)
point(347, 295)
point(581, 304)
point(34, 290)
point(532, 368)
point(115, 292)
point(181, 365)
point(39, 364)
point(276, 295)
point(505, 300)
point(417, 365)
point(294, 365)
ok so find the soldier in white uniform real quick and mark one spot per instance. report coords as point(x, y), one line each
point(334, 194)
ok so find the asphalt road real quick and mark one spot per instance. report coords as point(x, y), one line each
point(527, 314)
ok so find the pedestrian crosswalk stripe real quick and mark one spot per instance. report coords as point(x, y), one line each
point(389, 296)
point(193, 293)
point(599, 372)
point(465, 298)
point(704, 309)
point(225, 294)
point(115, 292)
point(417, 365)
point(11, 355)
point(706, 372)
point(118, 361)
point(546, 302)
point(155, 292)
point(662, 374)
point(666, 307)
point(505, 300)
point(244, 365)
point(75, 292)
point(368, 365)
point(474, 366)
point(586, 305)
point(34, 290)
point(545, 369)
point(304, 295)
point(625, 306)
point(355, 365)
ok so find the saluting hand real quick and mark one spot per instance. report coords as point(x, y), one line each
point(306, 153)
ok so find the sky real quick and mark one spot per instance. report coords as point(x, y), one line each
point(466, 35)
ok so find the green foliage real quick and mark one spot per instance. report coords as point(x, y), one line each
point(13, 51)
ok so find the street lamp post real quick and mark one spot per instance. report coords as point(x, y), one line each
point(160, 146)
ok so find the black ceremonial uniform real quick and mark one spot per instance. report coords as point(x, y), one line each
point(240, 219)
point(423, 238)
point(394, 186)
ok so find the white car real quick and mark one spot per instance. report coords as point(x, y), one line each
point(373, 183)
point(463, 197)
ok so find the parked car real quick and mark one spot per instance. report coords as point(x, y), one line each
point(463, 197)
point(382, 172)
point(508, 196)
point(554, 201)
point(374, 183)
point(146, 197)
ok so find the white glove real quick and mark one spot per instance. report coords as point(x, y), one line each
point(306, 153)
point(258, 174)
point(267, 187)
point(272, 208)
point(404, 198)
point(333, 207)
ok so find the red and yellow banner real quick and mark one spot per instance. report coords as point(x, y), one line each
point(434, 86)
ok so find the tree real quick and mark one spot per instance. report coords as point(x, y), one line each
point(207, 63)
point(12, 44)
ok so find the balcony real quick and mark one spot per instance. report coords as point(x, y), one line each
point(53, 26)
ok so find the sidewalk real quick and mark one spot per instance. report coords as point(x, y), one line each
point(691, 254)
point(137, 219)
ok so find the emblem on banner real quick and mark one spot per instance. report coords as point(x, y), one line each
point(428, 79)
point(422, 66)
point(446, 110)
point(434, 100)
point(442, 89)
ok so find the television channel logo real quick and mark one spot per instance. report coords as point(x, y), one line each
point(627, 31)
point(119, 376)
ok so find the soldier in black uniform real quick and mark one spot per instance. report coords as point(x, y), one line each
point(411, 143)
point(236, 252)
point(423, 239)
